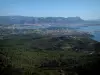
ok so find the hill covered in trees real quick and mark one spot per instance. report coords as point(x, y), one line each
point(37, 52)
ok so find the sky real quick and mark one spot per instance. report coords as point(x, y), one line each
point(86, 9)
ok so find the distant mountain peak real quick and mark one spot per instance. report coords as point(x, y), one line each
point(74, 18)
point(39, 20)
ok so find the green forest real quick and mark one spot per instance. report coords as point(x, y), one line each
point(35, 54)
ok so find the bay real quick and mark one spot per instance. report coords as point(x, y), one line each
point(94, 30)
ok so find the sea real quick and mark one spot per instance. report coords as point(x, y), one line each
point(94, 30)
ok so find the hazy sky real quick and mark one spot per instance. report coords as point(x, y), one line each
point(86, 9)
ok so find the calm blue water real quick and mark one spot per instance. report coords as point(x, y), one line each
point(94, 30)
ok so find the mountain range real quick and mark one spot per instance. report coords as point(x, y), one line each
point(43, 20)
